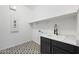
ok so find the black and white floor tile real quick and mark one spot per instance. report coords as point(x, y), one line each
point(25, 48)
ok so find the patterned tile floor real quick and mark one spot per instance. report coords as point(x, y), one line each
point(25, 48)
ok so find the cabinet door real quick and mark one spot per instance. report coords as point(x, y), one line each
point(67, 47)
point(45, 45)
point(56, 50)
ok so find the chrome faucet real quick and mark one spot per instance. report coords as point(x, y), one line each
point(56, 29)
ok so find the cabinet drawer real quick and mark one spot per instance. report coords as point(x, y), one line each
point(63, 46)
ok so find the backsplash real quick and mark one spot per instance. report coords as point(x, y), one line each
point(66, 24)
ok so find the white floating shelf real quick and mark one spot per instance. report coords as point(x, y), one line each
point(45, 18)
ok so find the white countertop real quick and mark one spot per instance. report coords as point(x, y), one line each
point(70, 39)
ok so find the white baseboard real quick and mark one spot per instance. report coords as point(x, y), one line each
point(36, 42)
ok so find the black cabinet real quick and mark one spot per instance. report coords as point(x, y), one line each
point(49, 46)
point(62, 47)
point(56, 50)
point(45, 46)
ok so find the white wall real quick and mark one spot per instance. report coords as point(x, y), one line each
point(66, 25)
point(78, 26)
point(47, 11)
point(8, 39)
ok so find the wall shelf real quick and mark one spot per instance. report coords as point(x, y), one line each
point(45, 18)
